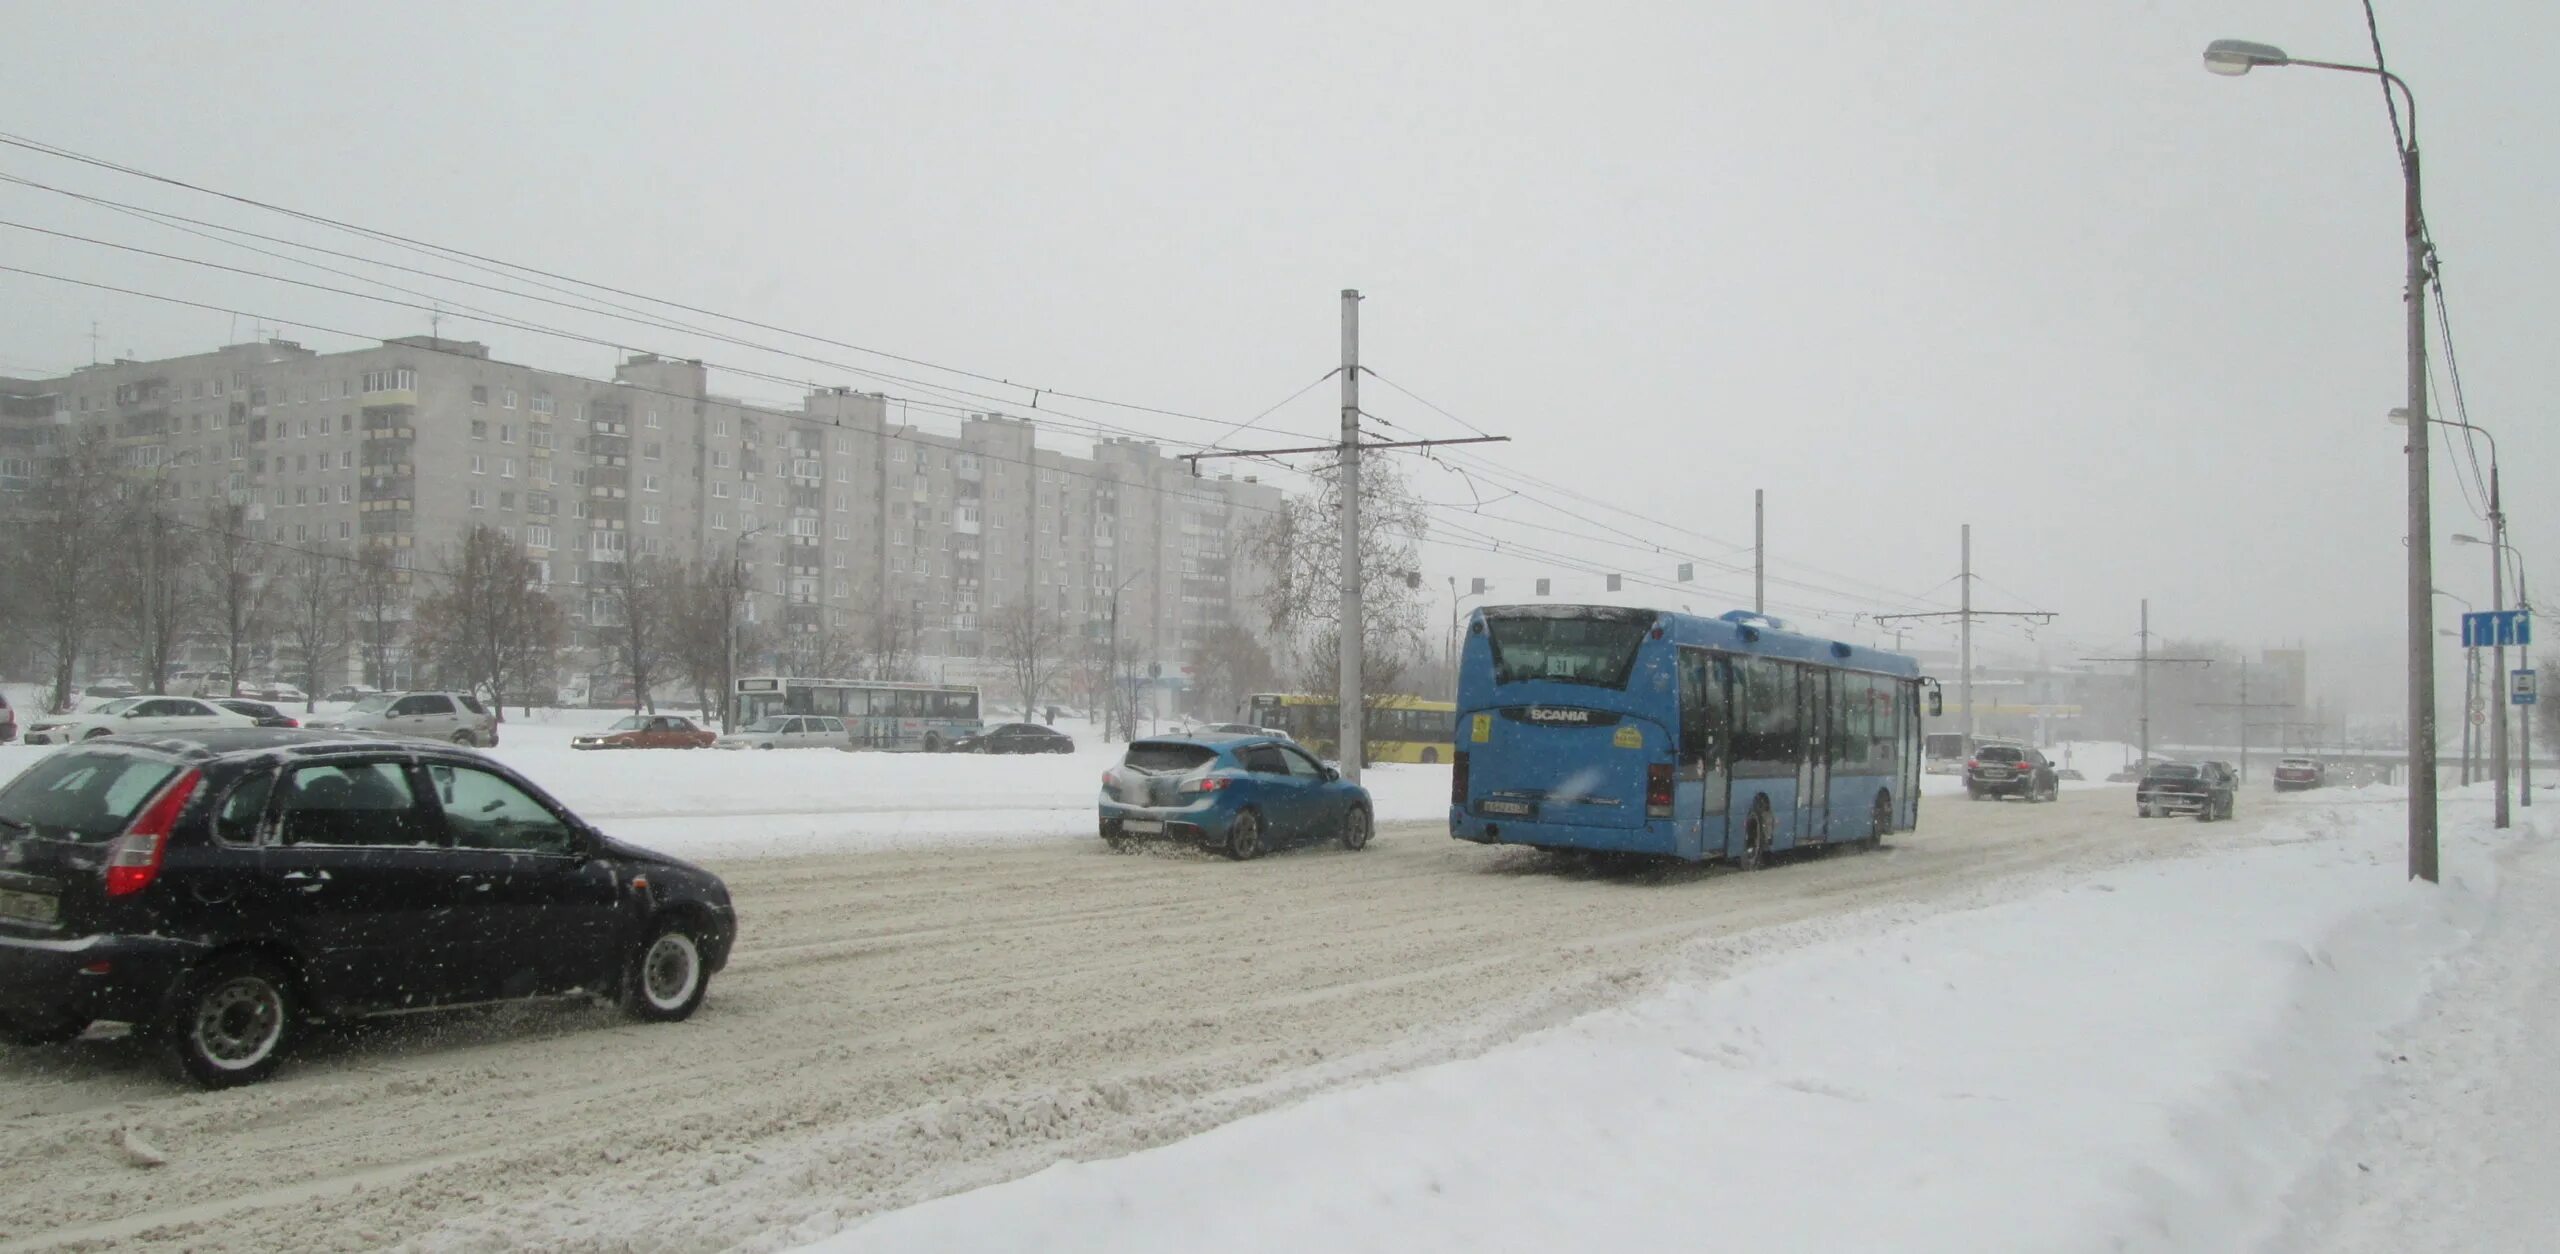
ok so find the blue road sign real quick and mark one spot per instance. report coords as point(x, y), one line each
point(2522, 687)
point(2491, 628)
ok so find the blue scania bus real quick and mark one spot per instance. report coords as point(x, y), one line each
point(1603, 728)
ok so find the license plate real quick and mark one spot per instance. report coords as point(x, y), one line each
point(1141, 827)
point(1504, 807)
point(30, 907)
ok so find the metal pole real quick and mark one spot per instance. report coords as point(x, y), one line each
point(1349, 723)
point(2144, 669)
point(1759, 554)
point(1964, 684)
point(2422, 601)
point(2470, 705)
point(1111, 671)
point(2244, 720)
point(2524, 713)
point(2497, 687)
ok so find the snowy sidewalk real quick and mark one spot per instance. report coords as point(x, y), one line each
point(2145, 1059)
point(2455, 1146)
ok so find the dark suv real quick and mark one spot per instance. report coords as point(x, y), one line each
point(2010, 771)
point(220, 889)
point(2205, 789)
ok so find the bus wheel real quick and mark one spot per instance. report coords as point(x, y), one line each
point(1882, 823)
point(1755, 838)
point(1431, 757)
point(933, 742)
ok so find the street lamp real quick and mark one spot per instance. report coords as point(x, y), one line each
point(2235, 57)
point(2497, 545)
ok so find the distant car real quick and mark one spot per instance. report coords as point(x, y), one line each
point(455, 716)
point(134, 716)
point(648, 731)
point(109, 689)
point(222, 890)
point(790, 731)
point(350, 692)
point(2010, 771)
point(1016, 738)
point(2207, 790)
point(266, 715)
point(2297, 774)
point(1239, 795)
point(271, 690)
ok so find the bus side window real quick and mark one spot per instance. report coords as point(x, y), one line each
point(1701, 715)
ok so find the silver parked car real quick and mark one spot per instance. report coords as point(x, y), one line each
point(455, 716)
point(790, 731)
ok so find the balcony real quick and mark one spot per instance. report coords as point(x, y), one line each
point(391, 433)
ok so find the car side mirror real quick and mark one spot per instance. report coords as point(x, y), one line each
point(1331, 774)
point(1937, 703)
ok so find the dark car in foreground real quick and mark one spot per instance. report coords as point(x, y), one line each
point(1239, 795)
point(219, 891)
point(1016, 738)
point(2206, 790)
point(2010, 771)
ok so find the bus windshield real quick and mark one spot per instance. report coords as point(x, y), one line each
point(1595, 646)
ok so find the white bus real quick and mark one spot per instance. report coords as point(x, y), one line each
point(877, 714)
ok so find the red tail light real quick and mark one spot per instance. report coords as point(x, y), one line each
point(1206, 783)
point(1973, 764)
point(293, 722)
point(1657, 791)
point(133, 859)
point(1458, 778)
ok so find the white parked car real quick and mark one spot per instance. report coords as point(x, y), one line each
point(134, 716)
point(790, 731)
point(455, 716)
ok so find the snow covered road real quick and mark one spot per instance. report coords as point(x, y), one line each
point(901, 1025)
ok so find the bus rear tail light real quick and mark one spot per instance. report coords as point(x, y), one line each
point(133, 859)
point(1657, 791)
point(1458, 778)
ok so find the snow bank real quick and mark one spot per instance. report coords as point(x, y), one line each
point(2139, 1060)
point(731, 803)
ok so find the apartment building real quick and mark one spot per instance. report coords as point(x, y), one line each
point(843, 511)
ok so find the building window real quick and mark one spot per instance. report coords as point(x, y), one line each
point(346, 494)
point(719, 521)
point(543, 404)
point(344, 529)
point(652, 451)
point(510, 399)
point(479, 464)
point(720, 491)
point(649, 514)
point(539, 438)
point(804, 526)
point(537, 536)
point(479, 394)
point(507, 468)
point(648, 483)
point(346, 459)
point(719, 426)
point(650, 420)
point(719, 459)
point(479, 429)
point(506, 500)
point(506, 434)
point(479, 498)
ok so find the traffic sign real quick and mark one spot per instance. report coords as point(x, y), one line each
point(2491, 628)
point(2521, 689)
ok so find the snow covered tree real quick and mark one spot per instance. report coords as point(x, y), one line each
point(317, 605)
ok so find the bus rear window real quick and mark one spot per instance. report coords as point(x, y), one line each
point(1596, 647)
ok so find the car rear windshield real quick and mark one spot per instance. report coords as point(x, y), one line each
point(81, 795)
point(1160, 756)
point(1996, 754)
point(373, 704)
point(2300, 762)
point(1592, 646)
point(2173, 772)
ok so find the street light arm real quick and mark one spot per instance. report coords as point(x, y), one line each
point(2393, 80)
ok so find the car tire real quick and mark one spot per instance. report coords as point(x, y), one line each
point(1356, 829)
point(932, 742)
point(232, 1021)
point(667, 978)
point(466, 740)
point(1431, 757)
point(2142, 809)
point(1244, 837)
point(1757, 831)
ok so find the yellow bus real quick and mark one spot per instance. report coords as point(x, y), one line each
point(1400, 728)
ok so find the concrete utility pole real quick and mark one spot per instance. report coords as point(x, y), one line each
point(1349, 721)
point(2524, 713)
point(2498, 670)
point(1964, 616)
point(1760, 553)
point(2142, 663)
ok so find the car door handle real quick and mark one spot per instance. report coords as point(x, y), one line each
point(306, 875)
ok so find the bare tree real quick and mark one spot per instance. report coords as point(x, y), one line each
point(235, 589)
point(1230, 665)
point(319, 593)
point(831, 652)
point(1383, 658)
point(1026, 641)
point(708, 623)
point(633, 609)
point(152, 587)
point(1301, 545)
point(378, 594)
point(490, 623)
point(889, 647)
point(70, 533)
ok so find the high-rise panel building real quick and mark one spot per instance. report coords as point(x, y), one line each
point(843, 511)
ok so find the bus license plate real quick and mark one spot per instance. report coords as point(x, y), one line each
point(31, 907)
point(1520, 808)
point(1141, 827)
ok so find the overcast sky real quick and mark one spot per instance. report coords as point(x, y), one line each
point(1905, 266)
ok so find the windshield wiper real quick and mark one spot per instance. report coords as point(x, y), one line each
point(20, 826)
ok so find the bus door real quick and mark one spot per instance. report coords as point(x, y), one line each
point(1706, 745)
point(1814, 709)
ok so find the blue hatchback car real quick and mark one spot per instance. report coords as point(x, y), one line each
point(1239, 795)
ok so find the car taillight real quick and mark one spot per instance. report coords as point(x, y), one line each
point(133, 859)
point(1206, 783)
point(1657, 791)
point(293, 722)
point(1973, 764)
point(1458, 778)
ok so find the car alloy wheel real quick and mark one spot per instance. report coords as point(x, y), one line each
point(465, 739)
point(1244, 837)
point(1355, 829)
